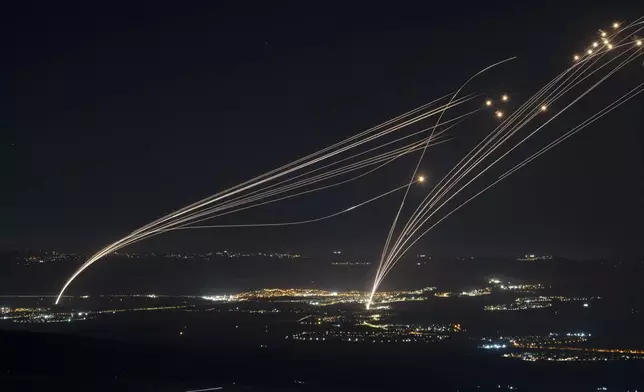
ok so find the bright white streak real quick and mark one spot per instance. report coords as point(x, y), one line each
point(141, 233)
point(395, 256)
point(389, 262)
point(422, 155)
point(303, 221)
point(526, 161)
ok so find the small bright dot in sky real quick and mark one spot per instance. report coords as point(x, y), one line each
point(586, 305)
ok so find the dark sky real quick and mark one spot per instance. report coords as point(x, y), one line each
point(118, 114)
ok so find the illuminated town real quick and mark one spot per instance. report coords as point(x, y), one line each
point(324, 298)
point(298, 196)
point(540, 302)
point(380, 336)
point(339, 316)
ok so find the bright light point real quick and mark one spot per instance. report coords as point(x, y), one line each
point(595, 44)
point(488, 103)
point(544, 108)
point(603, 33)
point(421, 179)
point(609, 46)
point(638, 42)
point(499, 114)
point(590, 51)
point(615, 25)
point(576, 57)
point(504, 98)
point(586, 305)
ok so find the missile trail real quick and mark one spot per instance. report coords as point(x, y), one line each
point(448, 187)
point(206, 208)
point(369, 151)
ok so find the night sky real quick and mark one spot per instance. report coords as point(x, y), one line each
point(118, 115)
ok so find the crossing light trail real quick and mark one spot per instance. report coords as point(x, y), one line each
point(363, 154)
point(422, 155)
point(397, 252)
point(366, 153)
point(606, 57)
point(333, 215)
point(632, 94)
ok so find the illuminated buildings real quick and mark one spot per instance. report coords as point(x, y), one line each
point(517, 306)
point(534, 356)
point(371, 336)
point(538, 302)
point(41, 257)
point(534, 257)
point(318, 297)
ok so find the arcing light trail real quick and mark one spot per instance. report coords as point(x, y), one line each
point(398, 251)
point(422, 155)
point(290, 175)
point(365, 153)
point(538, 103)
point(344, 211)
point(639, 89)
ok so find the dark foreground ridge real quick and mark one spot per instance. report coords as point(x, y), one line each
point(32, 361)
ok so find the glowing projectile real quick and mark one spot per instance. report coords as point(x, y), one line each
point(421, 179)
point(544, 108)
point(615, 25)
point(505, 98)
point(499, 114)
point(576, 57)
point(488, 103)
